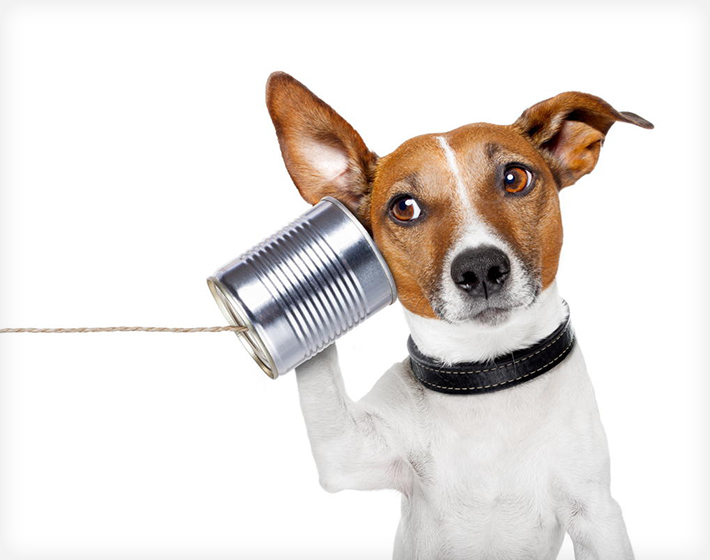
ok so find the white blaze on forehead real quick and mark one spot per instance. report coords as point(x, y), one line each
point(453, 166)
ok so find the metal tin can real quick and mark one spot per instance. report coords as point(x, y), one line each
point(304, 287)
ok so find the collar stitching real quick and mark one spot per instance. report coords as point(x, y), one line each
point(556, 358)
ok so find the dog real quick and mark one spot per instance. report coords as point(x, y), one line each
point(489, 429)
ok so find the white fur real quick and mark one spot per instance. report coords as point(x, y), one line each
point(461, 189)
point(483, 477)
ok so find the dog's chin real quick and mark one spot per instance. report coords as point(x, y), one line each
point(490, 313)
point(490, 316)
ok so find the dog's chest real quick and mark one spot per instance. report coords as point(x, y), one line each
point(493, 471)
point(487, 481)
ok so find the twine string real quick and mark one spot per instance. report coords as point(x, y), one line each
point(231, 328)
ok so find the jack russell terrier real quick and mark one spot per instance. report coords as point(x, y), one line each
point(489, 429)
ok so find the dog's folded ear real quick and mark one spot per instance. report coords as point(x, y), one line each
point(569, 130)
point(324, 155)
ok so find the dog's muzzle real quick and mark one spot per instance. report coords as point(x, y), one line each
point(481, 272)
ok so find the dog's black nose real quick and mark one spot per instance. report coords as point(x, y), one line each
point(481, 272)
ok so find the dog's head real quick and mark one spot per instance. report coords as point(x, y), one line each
point(468, 220)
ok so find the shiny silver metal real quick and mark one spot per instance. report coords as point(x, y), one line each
point(304, 287)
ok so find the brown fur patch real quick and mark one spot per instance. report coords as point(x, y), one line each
point(415, 253)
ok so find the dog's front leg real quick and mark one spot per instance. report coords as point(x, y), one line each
point(357, 445)
point(597, 529)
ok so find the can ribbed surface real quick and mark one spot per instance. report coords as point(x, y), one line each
point(304, 287)
point(322, 296)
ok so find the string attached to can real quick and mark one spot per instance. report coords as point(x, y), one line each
point(296, 292)
point(74, 330)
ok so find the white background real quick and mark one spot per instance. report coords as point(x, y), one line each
point(137, 156)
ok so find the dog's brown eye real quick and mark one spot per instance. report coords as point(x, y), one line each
point(405, 209)
point(516, 179)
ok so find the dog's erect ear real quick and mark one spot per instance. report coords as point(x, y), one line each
point(569, 130)
point(324, 155)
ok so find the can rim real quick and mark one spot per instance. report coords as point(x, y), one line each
point(370, 241)
point(235, 314)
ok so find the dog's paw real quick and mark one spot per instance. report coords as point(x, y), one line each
point(326, 359)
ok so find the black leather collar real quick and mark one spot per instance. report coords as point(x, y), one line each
point(505, 371)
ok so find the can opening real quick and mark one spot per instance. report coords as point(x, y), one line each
point(235, 315)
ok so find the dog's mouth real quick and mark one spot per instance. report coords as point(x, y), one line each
point(490, 312)
point(492, 315)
